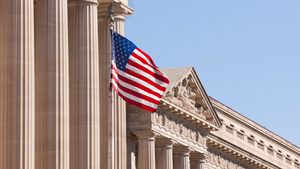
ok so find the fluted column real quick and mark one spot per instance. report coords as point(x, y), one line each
point(52, 85)
point(16, 84)
point(164, 153)
point(181, 157)
point(197, 161)
point(119, 105)
point(131, 151)
point(146, 149)
point(84, 85)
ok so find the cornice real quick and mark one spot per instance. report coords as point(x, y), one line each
point(238, 153)
point(186, 115)
point(255, 126)
point(214, 114)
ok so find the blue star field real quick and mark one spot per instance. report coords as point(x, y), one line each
point(121, 49)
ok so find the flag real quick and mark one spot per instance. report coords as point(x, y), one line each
point(134, 75)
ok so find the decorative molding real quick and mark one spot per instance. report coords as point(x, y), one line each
point(179, 127)
point(223, 109)
point(188, 116)
point(224, 161)
point(133, 116)
point(237, 154)
point(183, 96)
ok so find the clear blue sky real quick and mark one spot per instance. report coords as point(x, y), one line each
point(246, 52)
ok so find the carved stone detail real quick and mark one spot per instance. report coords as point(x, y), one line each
point(183, 96)
point(177, 126)
point(133, 116)
point(223, 161)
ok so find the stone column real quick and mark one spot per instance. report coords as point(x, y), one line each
point(16, 84)
point(181, 157)
point(146, 150)
point(164, 153)
point(84, 85)
point(131, 151)
point(52, 85)
point(121, 10)
point(197, 161)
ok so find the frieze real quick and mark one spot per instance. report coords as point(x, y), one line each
point(179, 127)
point(223, 161)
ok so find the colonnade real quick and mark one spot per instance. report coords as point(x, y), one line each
point(54, 77)
point(157, 152)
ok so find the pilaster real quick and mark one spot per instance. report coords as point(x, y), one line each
point(51, 85)
point(119, 123)
point(17, 84)
point(182, 157)
point(84, 85)
point(146, 150)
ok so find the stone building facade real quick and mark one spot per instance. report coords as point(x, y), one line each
point(55, 109)
point(191, 130)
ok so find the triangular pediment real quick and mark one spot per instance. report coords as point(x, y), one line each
point(186, 91)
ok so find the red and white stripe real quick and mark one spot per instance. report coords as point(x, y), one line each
point(141, 83)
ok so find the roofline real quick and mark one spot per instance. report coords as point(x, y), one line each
point(254, 122)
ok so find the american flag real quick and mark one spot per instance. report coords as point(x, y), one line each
point(134, 75)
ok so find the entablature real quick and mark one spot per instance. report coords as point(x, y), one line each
point(167, 125)
point(238, 153)
point(262, 138)
point(188, 116)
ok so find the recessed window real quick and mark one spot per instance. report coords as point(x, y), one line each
point(251, 136)
point(240, 135)
point(242, 131)
point(261, 146)
point(229, 129)
point(270, 151)
point(288, 156)
point(270, 146)
point(231, 125)
point(279, 155)
point(250, 140)
point(261, 141)
point(279, 151)
point(296, 160)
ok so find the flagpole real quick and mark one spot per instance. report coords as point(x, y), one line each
point(112, 97)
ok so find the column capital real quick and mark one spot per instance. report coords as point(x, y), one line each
point(182, 150)
point(145, 135)
point(198, 157)
point(165, 142)
point(120, 9)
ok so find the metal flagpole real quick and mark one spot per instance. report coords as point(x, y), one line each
point(112, 97)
